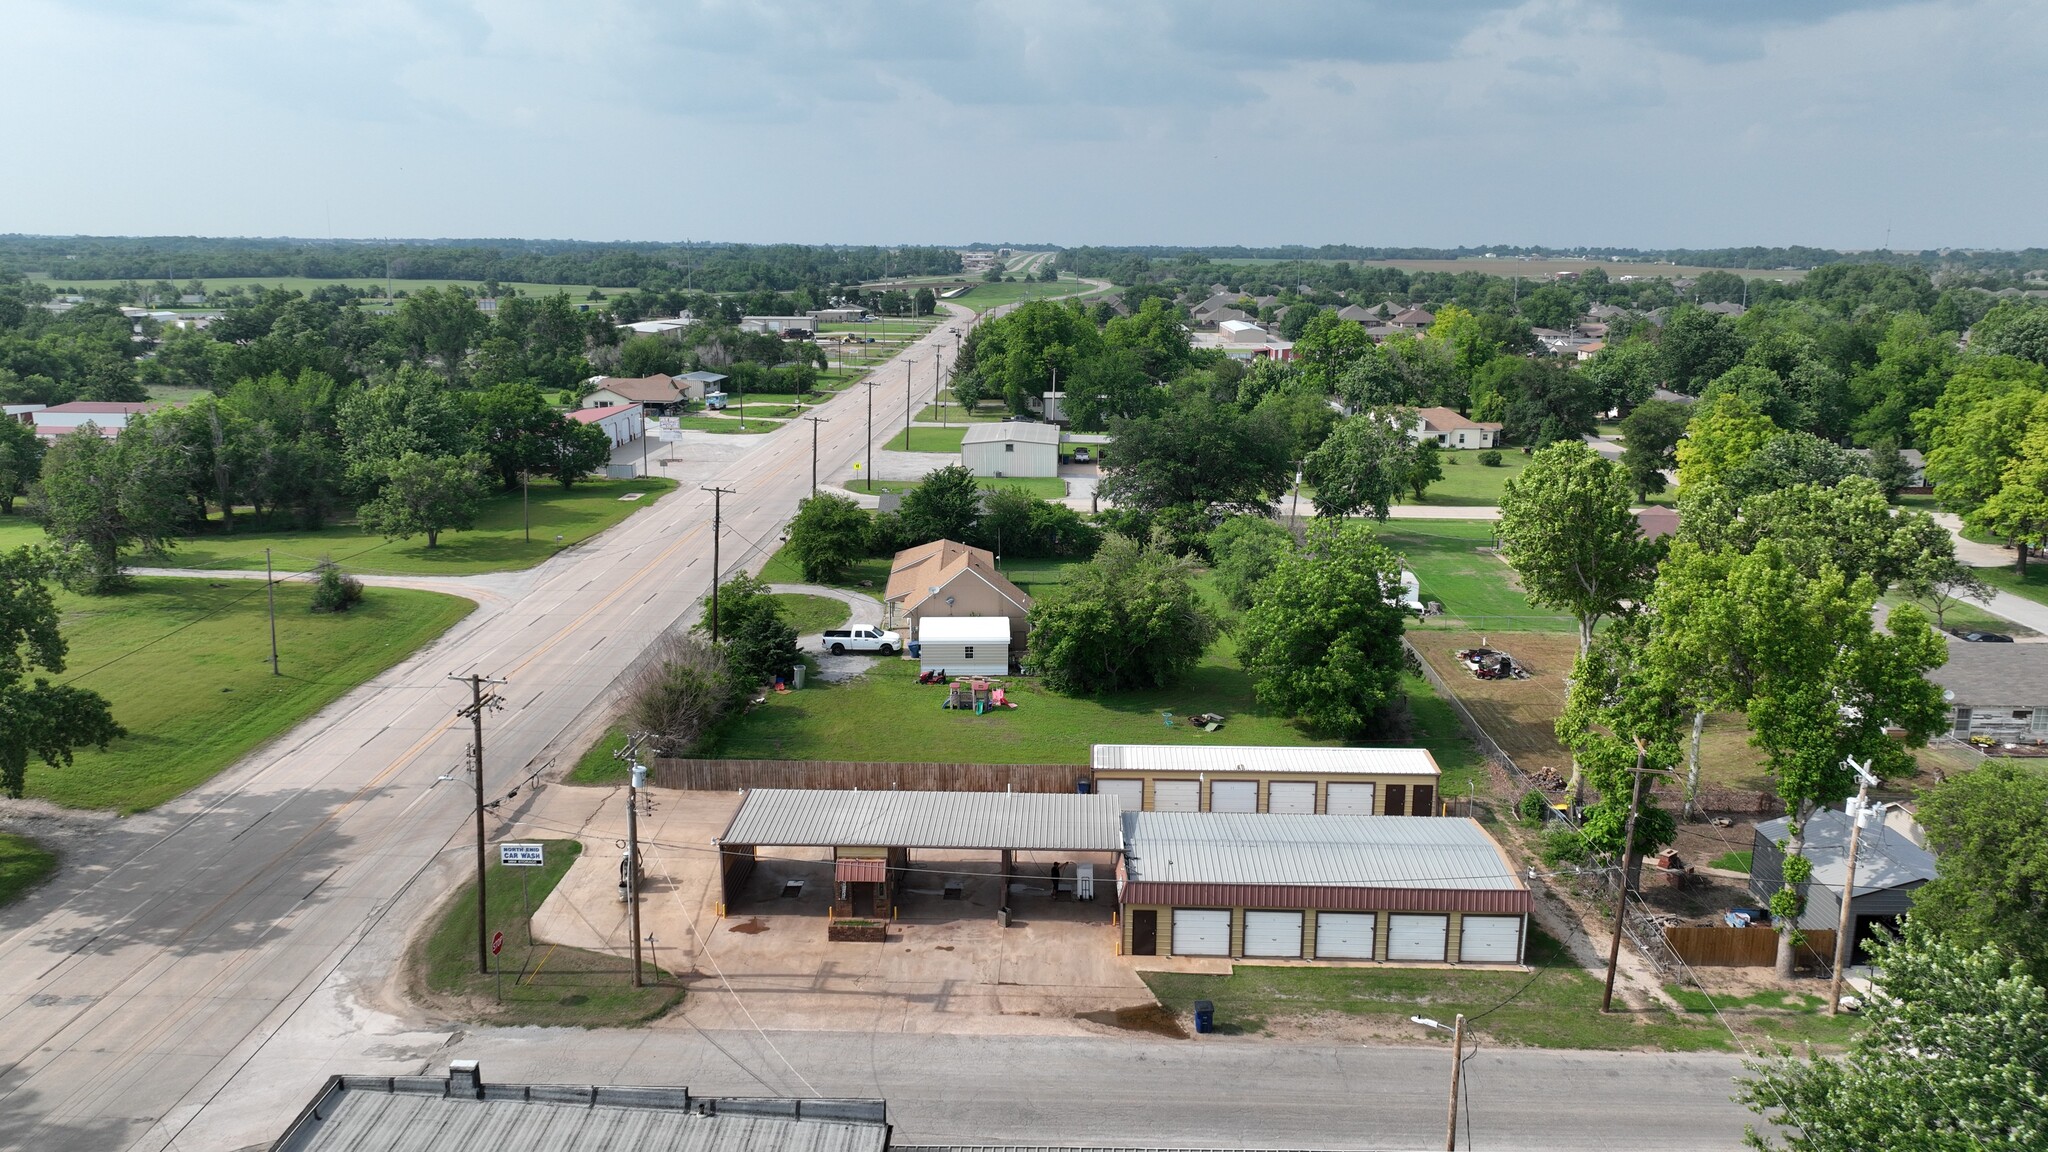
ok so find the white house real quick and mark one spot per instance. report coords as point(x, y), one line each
point(964, 645)
point(1451, 430)
point(624, 423)
point(1011, 449)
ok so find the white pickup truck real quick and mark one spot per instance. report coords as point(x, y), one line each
point(840, 641)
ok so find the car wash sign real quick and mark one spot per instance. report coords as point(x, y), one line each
point(520, 855)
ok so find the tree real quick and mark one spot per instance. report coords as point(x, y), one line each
point(1195, 452)
point(21, 461)
point(1364, 465)
point(828, 534)
point(1721, 436)
point(412, 412)
point(1156, 334)
point(1624, 375)
point(1952, 1057)
point(944, 507)
point(441, 324)
point(1425, 467)
point(1566, 529)
point(1650, 436)
point(516, 424)
point(1989, 830)
point(1626, 688)
point(1245, 550)
point(1015, 523)
point(1551, 306)
point(1539, 401)
point(2013, 329)
point(1130, 619)
point(425, 495)
point(2018, 511)
point(1322, 640)
point(1697, 346)
point(1975, 428)
point(1111, 386)
point(98, 498)
point(37, 718)
point(1329, 345)
point(1788, 459)
point(1463, 340)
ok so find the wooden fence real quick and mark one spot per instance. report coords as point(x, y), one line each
point(1747, 947)
point(731, 775)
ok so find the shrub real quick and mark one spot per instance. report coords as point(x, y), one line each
point(1490, 458)
point(683, 694)
point(334, 590)
point(1534, 807)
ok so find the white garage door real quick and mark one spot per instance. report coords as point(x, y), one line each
point(1201, 932)
point(1490, 939)
point(1351, 799)
point(1234, 796)
point(1345, 935)
point(1297, 796)
point(1130, 794)
point(1176, 795)
point(1272, 933)
point(1416, 937)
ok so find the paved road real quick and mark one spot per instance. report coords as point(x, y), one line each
point(140, 987)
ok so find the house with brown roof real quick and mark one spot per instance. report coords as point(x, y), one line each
point(661, 395)
point(1451, 430)
point(947, 578)
point(1412, 318)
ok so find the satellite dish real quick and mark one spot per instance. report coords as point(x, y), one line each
point(1948, 695)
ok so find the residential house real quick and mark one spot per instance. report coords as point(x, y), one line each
point(1412, 318)
point(1889, 868)
point(1451, 430)
point(1011, 449)
point(945, 578)
point(1916, 466)
point(1996, 691)
point(661, 395)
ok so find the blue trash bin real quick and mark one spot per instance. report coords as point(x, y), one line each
point(1205, 1016)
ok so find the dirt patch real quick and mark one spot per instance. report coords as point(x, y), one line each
point(1148, 1018)
point(751, 927)
point(1518, 714)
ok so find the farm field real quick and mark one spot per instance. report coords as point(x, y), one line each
point(186, 666)
point(307, 283)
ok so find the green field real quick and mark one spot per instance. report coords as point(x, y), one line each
point(728, 425)
point(808, 614)
point(982, 297)
point(1467, 483)
point(541, 984)
point(1558, 1006)
point(953, 413)
point(576, 292)
point(1043, 487)
point(186, 666)
point(927, 440)
point(497, 543)
point(23, 865)
point(1475, 587)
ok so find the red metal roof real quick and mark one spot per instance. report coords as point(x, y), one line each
point(860, 871)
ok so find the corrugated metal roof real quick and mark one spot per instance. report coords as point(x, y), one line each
point(1884, 858)
point(1262, 848)
point(964, 630)
point(1019, 431)
point(358, 1120)
point(1256, 758)
point(827, 818)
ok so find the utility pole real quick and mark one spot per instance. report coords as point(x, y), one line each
point(479, 702)
point(909, 373)
point(631, 754)
point(1457, 1065)
point(871, 435)
point(270, 584)
point(1859, 811)
point(815, 421)
point(526, 517)
point(1294, 508)
point(717, 510)
point(1628, 847)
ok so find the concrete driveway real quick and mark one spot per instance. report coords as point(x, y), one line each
point(865, 612)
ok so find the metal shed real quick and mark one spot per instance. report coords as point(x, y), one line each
point(964, 645)
point(1011, 449)
point(1303, 781)
point(1331, 888)
point(1888, 869)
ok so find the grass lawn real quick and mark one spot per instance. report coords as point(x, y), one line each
point(808, 614)
point(1558, 1006)
point(23, 865)
point(983, 296)
point(754, 425)
point(1970, 616)
point(186, 666)
point(1478, 590)
point(2034, 586)
point(496, 544)
point(599, 763)
point(1468, 483)
point(1734, 862)
point(868, 574)
point(955, 413)
point(1043, 487)
point(542, 984)
point(927, 440)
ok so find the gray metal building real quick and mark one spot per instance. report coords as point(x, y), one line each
point(1307, 887)
point(1888, 868)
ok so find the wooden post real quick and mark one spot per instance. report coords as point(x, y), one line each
point(1457, 1063)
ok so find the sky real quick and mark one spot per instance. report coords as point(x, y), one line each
point(1654, 123)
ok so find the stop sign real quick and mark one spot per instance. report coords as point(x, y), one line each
point(497, 942)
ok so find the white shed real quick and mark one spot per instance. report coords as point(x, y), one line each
point(964, 645)
point(1011, 449)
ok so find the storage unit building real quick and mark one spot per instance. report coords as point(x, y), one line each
point(622, 423)
point(1288, 781)
point(1341, 889)
point(1011, 449)
point(964, 645)
point(1889, 866)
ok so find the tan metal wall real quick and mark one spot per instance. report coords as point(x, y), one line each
point(1265, 781)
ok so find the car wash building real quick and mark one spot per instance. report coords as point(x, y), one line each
point(1295, 781)
point(1344, 889)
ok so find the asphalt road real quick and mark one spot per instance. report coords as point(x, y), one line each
point(191, 977)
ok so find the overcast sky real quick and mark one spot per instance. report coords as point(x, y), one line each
point(1654, 123)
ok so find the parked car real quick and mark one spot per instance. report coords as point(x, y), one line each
point(1987, 638)
point(1081, 456)
point(840, 641)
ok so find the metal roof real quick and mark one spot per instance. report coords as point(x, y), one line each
point(1020, 431)
point(964, 629)
point(1884, 858)
point(1251, 758)
point(1263, 848)
point(844, 818)
point(418, 1114)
